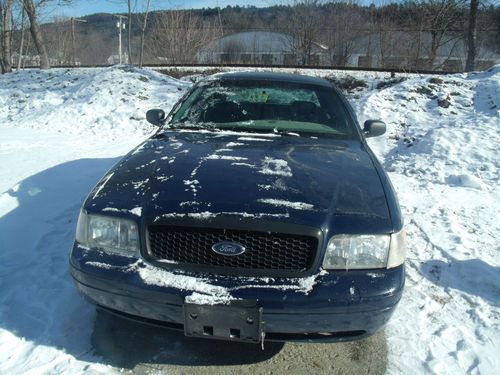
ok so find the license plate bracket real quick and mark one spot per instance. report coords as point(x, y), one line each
point(234, 322)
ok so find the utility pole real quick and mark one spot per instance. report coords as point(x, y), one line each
point(73, 37)
point(121, 25)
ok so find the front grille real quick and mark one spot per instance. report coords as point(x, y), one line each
point(268, 252)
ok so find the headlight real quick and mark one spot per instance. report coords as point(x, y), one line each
point(108, 233)
point(346, 252)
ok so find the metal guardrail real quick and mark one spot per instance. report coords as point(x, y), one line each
point(214, 66)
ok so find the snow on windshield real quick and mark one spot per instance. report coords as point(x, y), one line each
point(270, 106)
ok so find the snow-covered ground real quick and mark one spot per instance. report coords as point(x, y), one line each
point(60, 130)
point(444, 163)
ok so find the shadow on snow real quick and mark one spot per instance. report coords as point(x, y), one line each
point(472, 276)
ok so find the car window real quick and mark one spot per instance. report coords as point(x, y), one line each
point(265, 106)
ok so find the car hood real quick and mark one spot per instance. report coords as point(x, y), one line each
point(325, 183)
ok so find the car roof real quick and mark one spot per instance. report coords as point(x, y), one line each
point(270, 76)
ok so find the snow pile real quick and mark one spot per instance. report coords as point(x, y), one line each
point(109, 102)
point(61, 130)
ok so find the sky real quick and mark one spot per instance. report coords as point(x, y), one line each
point(80, 8)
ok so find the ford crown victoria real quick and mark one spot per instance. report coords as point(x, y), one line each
point(256, 211)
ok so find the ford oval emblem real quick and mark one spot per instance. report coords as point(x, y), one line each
point(228, 248)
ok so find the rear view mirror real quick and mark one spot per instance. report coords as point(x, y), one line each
point(156, 116)
point(373, 128)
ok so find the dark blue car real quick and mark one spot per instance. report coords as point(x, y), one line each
point(256, 212)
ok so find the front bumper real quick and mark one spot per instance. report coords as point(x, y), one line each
point(339, 306)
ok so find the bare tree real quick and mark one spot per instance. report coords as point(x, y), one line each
point(36, 34)
point(2, 69)
point(143, 31)
point(21, 43)
point(6, 35)
point(344, 21)
point(440, 17)
point(304, 28)
point(129, 32)
point(414, 18)
point(58, 40)
point(387, 39)
point(472, 36)
point(178, 35)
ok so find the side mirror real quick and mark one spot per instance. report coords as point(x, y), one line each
point(374, 128)
point(156, 116)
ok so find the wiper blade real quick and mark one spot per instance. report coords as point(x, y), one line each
point(286, 132)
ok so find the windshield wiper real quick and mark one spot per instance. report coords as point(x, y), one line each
point(287, 132)
point(191, 126)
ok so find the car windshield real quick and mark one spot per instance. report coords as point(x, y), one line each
point(265, 106)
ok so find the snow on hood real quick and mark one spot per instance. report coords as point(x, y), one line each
point(205, 175)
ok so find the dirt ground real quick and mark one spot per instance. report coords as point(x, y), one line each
point(142, 349)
